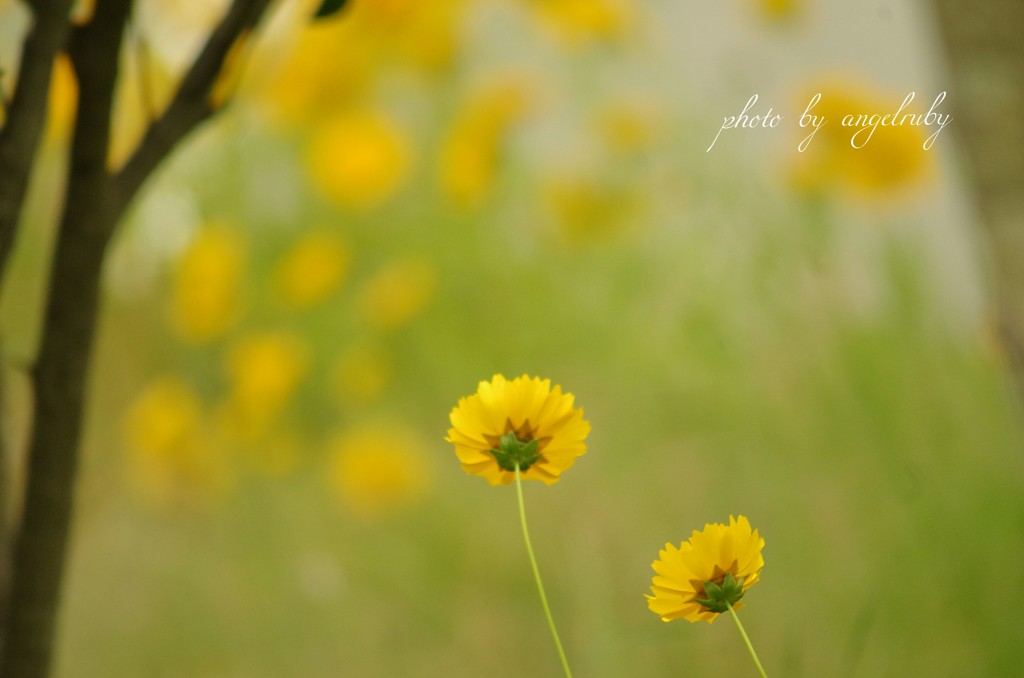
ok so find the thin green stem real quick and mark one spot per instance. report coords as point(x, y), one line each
point(746, 641)
point(536, 576)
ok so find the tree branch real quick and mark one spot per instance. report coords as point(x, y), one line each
point(26, 115)
point(191, 104)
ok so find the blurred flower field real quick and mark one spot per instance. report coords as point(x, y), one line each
point(409, 197)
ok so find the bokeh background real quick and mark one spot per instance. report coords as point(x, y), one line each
point(409, 197)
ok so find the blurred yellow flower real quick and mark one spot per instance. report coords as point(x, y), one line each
point(397, 293)
point(892, 160)
point(206, 299)
point(381, 13)
point(63, 101)
point(170, 455)
point(580, 21)
point(265, 369)
point(165, 418)
point(313, 269)
point(469, 154)
point(430, 39)
point(361, 374)
point(377, 470)
point(724, 556)
point(778, 10)
point(587, 208)
point(321, 68)
point(531, 410)
point(325, 68)
point(82, 11)
point(358, 159)
point(411, 32)
point(628, 125)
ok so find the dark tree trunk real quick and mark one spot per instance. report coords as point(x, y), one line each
point(60, 382)
point(95, 201)
point(91, 210)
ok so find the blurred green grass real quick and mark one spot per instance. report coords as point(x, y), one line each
point(878, 455)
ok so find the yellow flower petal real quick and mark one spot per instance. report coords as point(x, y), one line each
point(528, 407)
point(206, 297)
point(312, 270)
point(707, 556)
point(359, 159)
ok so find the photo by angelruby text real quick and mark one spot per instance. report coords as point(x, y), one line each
point(862, 124)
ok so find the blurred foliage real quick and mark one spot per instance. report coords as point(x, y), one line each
point(407, 197)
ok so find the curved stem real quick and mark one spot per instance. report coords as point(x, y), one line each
point(746, 641)
point(536, 576)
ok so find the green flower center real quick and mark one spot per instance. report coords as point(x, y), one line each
point(511, 452)
point(719, 596)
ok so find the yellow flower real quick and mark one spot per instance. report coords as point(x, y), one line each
point(892, 160)
point(413, 33)
point(469, 155)
point(63, 100)
point(629, 126)
point(326, 66)
point(165, 418)
point(397, 293)
point(376, 470)
point(205, 301)
point(82, 11)
point(170, 457)
point(716, 555)
point(778, 10)
point(588, 208)
point(531, 410)
point(430, 40)
point(265, 369)
point(312, 270)
point(311, 70)
point(358, 159)
point(579, 21)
